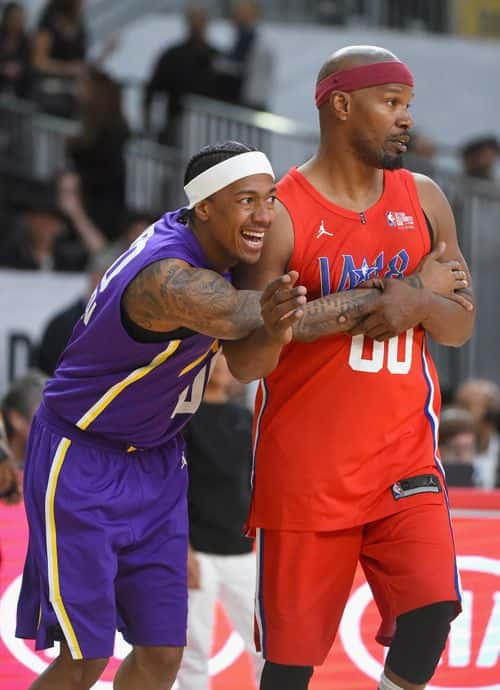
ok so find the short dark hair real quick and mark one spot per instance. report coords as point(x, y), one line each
point(206, 158)
point(210, 155)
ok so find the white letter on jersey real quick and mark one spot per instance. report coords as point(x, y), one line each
point(197, 387)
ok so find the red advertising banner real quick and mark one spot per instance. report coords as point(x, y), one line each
point(471, 660)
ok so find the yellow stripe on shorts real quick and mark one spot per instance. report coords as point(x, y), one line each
point(52, 559)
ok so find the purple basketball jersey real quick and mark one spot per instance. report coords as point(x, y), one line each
point(140, 394)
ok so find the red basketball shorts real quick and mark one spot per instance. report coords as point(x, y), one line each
point(304, 579)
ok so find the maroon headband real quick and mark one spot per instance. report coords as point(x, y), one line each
point(362, 77)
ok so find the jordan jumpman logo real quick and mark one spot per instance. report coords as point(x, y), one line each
point(323, 231)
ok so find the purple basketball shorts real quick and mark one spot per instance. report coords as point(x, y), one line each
point(107, 547)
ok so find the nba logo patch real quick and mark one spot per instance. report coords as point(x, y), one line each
point(400, 220)
point(391, 220)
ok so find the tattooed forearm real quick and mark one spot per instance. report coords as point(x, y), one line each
point(169, 294)
point(321, 316)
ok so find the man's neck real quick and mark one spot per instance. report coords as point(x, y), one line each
point(344, 180)
point(217, 258)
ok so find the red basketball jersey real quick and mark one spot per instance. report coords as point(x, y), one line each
point(342, 419)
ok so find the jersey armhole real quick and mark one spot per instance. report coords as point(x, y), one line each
point(429, 228)
point(144, 335)
point(424, 224)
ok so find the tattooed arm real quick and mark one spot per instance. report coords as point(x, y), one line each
point(171, 294)
point(286, 315)
point(335, 313)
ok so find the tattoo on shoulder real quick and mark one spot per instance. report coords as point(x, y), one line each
point(141, 300)
point(168, 292)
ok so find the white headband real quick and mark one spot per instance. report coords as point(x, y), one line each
point(221, 175)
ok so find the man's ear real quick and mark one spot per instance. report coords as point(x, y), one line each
point(340, 104)
point(201, 210)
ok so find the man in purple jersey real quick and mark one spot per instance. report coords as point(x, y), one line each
point(105, 479)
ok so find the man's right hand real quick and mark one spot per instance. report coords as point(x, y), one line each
point(282, 306)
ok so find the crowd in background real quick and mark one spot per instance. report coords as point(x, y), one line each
point(59, 224)
point(79, 221)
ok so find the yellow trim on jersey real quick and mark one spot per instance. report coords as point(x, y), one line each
point(213, 348)
point(52, 559)
point(108, 397)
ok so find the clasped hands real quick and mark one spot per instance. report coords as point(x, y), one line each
point(405, 303)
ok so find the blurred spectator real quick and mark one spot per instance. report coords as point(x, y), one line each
point(14, 51)
point(482, 399)
point(221, 562)
point(60, 49)
point(10, 478)
point(60, 326)
point(458, 445)
point(422, 146)
point(480, 156)
point(98, 152)
point(69, 198)
point(19, 405)
point(246, 71)
point(186, 67)
point(59, 52)
point(38, 237)
point(132, 225)
point(421, 153)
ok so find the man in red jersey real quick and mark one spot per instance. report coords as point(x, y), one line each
point(347, 468)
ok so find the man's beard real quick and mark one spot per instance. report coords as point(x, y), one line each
point(378, 159)
point(388, 162)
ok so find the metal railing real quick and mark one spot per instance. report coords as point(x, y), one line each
point(207, 122)
point(154, 176)
point(33, 146)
